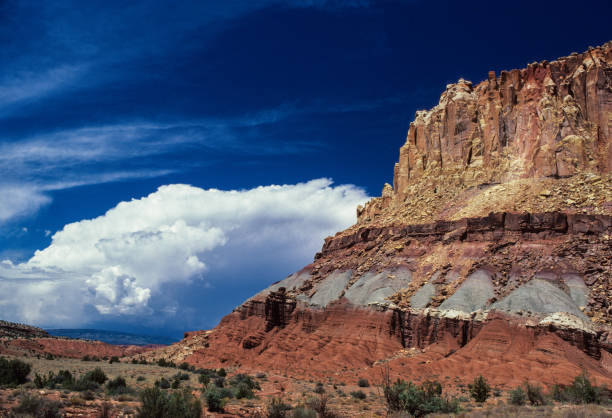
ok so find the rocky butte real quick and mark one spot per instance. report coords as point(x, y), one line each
point(491, 253)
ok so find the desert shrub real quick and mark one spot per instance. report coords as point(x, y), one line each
point(114, 359)
point(162, 362)
point(244, 386)
point(156, 403)
point(176, 383)
point(363, 383)
point(204, 379)
point(143, 361)
point(277, 408)
point(181, 376)
point(49, 356)
point(86, 357)
point(557, 393)
point(182, 404)
point(140, 379)
point(303, 412)
point(116, 386)
point(480, 389)
point(358, 394)
point(582, 391)
point(319, 388)
point(221, 372)
point(319, 405)
point(96, 375)
point(163, 383)
point(219, 382)
point(13, 372)
point(517, 396)
point(243, 390)
point(184, 366)
point(534, 394)
point(207, 372)
point(35, 406)
point(226, 393)
point(214, 399)
point(83, 384)
point(134, 361)
point(418, 400)
point(63, 379)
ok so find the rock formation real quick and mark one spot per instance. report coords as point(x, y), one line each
point(491, 253)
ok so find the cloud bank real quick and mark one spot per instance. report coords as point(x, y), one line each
point(117, 263)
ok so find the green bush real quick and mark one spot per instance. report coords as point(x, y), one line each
point(181, 376)
point(158, 404)
point(38, 407)
point(244, 386)
point(221, 372)
point(114, 359)
point(116, 386)
point(83, 384)
point(184, 366)
point(96, 375)
point(582, 391)
point(204, 379)
point(176, 383)
point(534, 394)
point(358, 394)
point(162, 362)
point(277, 408)
point(480, 389)
point(517, 396)
point(63, 379)
point(363, 383)
point(557, 393)
point(418, 400)
point(244, 391)
point(220, 382)
point(214, 399)
point(163, 383)
point(13, 372)
point(246, 379)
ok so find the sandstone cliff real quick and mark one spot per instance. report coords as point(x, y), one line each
point(536, 139)
point(491, 253)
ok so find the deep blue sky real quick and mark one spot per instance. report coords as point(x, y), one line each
point(102, 102)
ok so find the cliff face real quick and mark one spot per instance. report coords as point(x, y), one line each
point(498, 229)
point(551, 119)
point(524, 129)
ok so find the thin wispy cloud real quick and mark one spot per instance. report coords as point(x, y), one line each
point(22, 87)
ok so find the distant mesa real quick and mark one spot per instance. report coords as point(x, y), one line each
point(112, 337)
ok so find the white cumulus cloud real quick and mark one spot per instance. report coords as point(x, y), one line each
point(117, 263)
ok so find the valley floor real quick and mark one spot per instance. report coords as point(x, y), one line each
point(343, 398)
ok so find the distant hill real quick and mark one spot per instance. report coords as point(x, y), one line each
point(111, 337)
point(14, 330)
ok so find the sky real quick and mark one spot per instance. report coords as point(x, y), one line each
point(161, 162)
